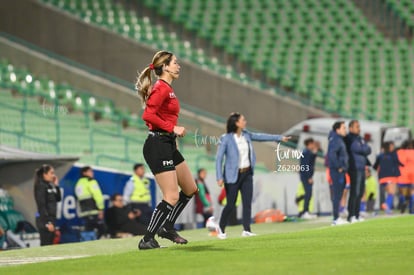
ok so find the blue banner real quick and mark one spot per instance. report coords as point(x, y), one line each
point(110, 182)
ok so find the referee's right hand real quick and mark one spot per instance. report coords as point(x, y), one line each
point(220, 183)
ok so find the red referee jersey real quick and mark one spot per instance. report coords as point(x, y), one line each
point(162, 108)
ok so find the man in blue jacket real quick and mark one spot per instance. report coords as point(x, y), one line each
point(358, 152)
point(338, 165)
point(307, 168)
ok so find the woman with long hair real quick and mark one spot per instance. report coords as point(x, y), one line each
point(388, 168)
point(160, 149)
point(236, 149)
point(47, 195)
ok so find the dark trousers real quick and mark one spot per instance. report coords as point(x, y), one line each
point(382, 194)
point(146, 211)
point(370, 205)
point(46, 237)
point(93, 223)
point(134, 227)
point(357, 190)
point(206, 216)
point(233, 217)
point(308, 194)
point(338, 186)
point(245, 185)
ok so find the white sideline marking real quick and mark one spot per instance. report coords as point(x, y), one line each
point(30, 260)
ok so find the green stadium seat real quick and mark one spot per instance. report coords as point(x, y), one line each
point(3, 224)
point(12, 218)
point(272, 37)
point(30, 120)
point(326, 44)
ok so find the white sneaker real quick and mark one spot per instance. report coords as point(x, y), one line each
point(339, 221)
point(248, 234)
point(220, 234)
point(308, 216)
point(353, 219)
point(344, 213)
point(360, 219)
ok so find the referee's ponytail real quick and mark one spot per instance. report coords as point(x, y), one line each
point(144, 81)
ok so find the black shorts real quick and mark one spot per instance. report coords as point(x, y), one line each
point(161, 153)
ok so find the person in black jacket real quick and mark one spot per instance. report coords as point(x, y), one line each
point(307, 168)
point(120, 219)
point(358, 151)
point(338, 166)
point(47, 195)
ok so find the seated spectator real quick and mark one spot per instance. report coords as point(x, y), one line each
point(121, 220)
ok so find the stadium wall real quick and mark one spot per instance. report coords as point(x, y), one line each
point(103, 50)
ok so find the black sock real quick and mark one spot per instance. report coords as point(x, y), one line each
point(178, 208)
point(158, 218)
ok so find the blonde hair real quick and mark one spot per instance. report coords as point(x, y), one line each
point(144, 80)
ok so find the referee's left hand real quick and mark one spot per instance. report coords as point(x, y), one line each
point(179, 131)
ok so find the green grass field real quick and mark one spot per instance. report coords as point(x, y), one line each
point(376, 246)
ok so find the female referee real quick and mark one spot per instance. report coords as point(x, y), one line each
point(237, 150)
point(160, 149)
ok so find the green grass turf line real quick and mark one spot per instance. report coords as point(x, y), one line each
point(377, 246)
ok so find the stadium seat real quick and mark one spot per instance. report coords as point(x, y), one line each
point(295, 20)
point(303, 46)
point(3, 223)
point(48, 117)
point(12, 217)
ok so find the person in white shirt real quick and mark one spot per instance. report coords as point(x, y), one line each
point(236, 149)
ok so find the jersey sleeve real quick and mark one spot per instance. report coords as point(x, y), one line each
point(202, 195)
point(153, 104)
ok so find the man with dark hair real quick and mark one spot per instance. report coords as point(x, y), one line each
point(120, 219)
point(307, 168)
point(358, 152)
point(91, 201)
point(137, 194)
point(338, 165)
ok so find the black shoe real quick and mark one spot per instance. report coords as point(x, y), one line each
point(151, 244)
point(171, 235)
